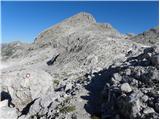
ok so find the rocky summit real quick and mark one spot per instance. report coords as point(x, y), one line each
point(79, 68)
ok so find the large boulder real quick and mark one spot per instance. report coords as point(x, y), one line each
point(26, 85)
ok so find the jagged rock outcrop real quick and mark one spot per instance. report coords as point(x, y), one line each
point(132, 90)
point(61, 75)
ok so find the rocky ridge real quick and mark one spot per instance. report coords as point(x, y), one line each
point(149, 37)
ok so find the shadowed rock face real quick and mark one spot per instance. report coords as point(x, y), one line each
point(132, 90)
point(66, 68)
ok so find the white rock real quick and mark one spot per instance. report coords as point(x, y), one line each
point(117, 77)
point(125, 87)
point(3, 103)
point(7, 112)
point(148, 110)
point(68, 86)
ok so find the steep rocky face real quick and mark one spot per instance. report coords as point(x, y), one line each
point(63, 73)
point(150, 37)
point(78, 24)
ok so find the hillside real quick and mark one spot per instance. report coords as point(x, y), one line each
point(149, 37)
point(64, 72)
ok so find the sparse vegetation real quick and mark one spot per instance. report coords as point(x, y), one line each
point(56, 82)
point(67, 109)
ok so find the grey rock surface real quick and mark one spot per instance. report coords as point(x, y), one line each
point(26, 85)
point(125, 87)
point(150, 37)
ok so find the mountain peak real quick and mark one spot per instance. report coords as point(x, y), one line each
point(83, 17)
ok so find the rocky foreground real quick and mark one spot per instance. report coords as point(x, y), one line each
point(81, 69)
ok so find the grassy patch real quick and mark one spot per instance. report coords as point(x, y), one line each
point(56, 82)
point(95, 117)
point(67, 109)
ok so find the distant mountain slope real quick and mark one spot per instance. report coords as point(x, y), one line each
point(149, 37)
point(82, 24)
point(13, 49)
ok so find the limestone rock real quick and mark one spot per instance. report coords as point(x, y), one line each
point(7, 112)
point(125, 87)
point(148, 110)
point(26, 85)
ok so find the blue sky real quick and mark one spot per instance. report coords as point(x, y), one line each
point(25, 20)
